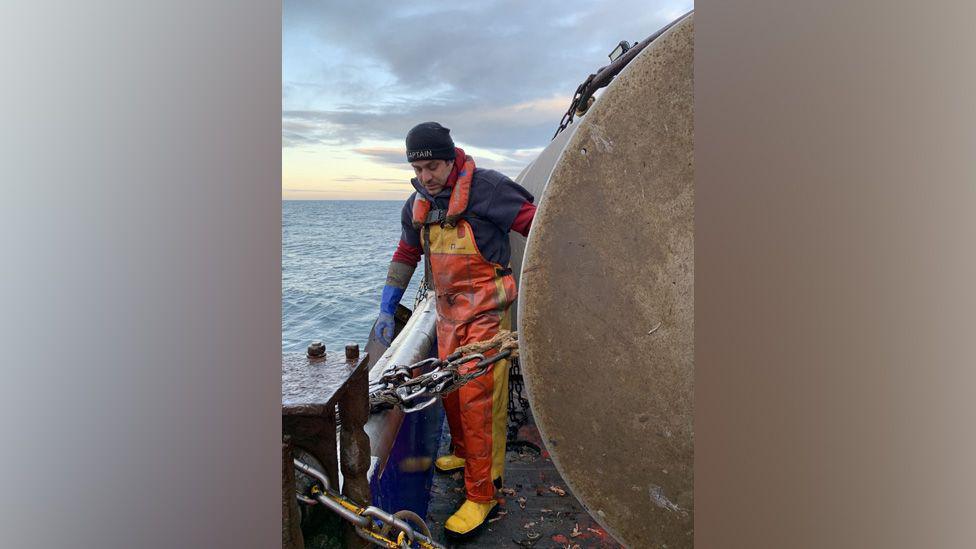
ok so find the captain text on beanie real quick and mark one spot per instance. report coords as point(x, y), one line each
point(429, 141)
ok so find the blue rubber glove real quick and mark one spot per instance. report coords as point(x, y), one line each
point(385, 326)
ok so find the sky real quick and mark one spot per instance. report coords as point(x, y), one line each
point(357, 75)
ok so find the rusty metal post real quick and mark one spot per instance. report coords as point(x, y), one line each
point(316, 435)
point(316, 350)
point(291, 527)
point(352, 352)
point(313, 384)
point(354, 444)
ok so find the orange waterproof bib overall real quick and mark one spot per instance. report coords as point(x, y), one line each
point(473, 296)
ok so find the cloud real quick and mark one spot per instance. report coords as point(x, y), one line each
point(301, 129)
point(488, 124)
point(499, 73)
point(477, 49)
point(385, 155)
point(357, 179)
point(317, 191)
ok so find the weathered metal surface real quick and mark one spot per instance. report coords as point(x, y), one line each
point(354, 446)
point(309, 385)
point(607, 302)
point(291, 531)
point(311, 390)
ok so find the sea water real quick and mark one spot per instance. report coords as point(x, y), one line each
point(334, 258)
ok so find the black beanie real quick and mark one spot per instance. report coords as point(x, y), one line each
point(429, 141)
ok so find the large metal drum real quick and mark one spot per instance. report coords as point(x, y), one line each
point(606, 307)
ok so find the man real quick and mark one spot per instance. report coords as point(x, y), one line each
point(459, 219)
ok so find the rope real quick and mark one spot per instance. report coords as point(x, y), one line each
point(503, 341)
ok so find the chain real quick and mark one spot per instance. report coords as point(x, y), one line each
point(574, 106)
point(518, 405)
point(421, 292)
point(399, 388)
point(583, 98)
point(372, 523)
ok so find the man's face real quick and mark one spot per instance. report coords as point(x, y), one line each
point(432, 174)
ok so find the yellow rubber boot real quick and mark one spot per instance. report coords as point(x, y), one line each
point(468, 518)
point(449, 463)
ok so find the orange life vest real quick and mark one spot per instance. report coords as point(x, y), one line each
point(458, 204)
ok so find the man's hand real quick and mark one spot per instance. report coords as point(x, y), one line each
point(397, 280)
point(384, 328)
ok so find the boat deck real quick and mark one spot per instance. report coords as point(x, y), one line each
point(532, 511)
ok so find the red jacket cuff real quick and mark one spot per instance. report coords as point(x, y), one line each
point(523, 219)
point(406, 253)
